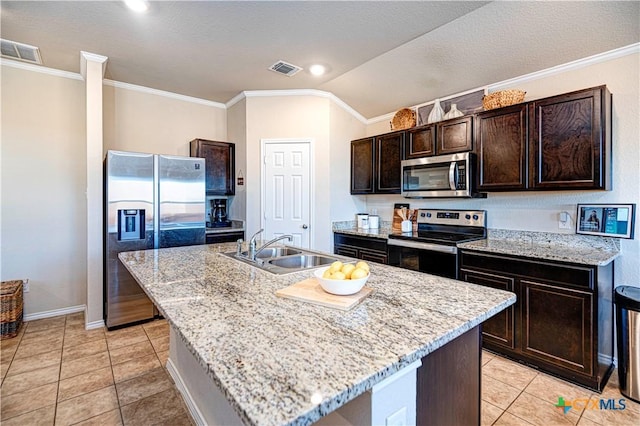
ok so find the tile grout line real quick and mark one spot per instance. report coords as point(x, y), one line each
point(515, 399)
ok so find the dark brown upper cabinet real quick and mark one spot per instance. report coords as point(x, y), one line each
point(375, 164)
point(445, 137)
point(569, 142)
point(388, 155)
point(420, 142)
point(362, 166)
point(501, 146)
point(219, 160)
point(455, 135)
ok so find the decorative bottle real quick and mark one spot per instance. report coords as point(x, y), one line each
point(436, 113)
point(453, 112)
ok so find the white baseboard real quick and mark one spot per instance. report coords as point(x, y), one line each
point(55, 313)
point(191, 406)
point(93, 325)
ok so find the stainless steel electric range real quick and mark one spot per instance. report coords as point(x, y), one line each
point(432, 249)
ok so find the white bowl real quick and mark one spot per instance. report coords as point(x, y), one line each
point(340, 287)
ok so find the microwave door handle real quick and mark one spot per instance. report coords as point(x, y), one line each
point(452, 175)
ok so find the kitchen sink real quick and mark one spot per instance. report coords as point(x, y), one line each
point(303, 261)
point(271, 252)
point(284, 260)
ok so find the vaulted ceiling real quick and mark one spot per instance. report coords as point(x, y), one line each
point(381, 56)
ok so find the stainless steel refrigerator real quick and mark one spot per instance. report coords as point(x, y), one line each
point(150, 201)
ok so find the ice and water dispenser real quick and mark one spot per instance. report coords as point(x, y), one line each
point(131, 224)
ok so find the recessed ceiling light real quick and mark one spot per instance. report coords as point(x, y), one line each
point(137, 5)
point(317, 69)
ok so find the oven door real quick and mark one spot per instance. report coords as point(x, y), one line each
point(430, 258)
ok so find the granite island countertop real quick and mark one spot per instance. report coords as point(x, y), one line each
point(269, 355)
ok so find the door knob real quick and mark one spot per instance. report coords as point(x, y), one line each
point(304, 226)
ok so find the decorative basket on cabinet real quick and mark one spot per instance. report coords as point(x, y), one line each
point(502, 98)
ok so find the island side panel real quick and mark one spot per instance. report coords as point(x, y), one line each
point(449, 382)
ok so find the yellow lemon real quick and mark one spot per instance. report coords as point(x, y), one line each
point(359, 273)
point(363, 265)
point(327, 274)
point(347, 269)
point(335, 266)
point(337, 276)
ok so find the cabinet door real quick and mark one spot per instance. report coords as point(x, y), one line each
point(420, 142)
point(372, 256)
point(557, 325)
point(568, 141)
point(219, 158)
point(362, 160)
point(388, 152)
point(501, 145)
point(499, 329)
point(455, 135)
point(345, 251)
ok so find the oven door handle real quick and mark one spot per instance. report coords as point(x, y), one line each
point(422, 246)
point(452, 175)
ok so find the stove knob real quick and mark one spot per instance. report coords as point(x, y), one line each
point(428, 214)
point(422, 214)
point(467, 216)
point(475, 217)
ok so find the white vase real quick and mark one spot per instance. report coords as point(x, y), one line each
point(453, 112)
point(436, 113)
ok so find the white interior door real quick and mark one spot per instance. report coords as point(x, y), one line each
point(286, 191)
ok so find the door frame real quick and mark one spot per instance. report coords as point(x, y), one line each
point(311, 142)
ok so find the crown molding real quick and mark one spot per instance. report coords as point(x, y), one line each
point(296, 92)
point(39, 68)
point(559, 69)
point(148, 90)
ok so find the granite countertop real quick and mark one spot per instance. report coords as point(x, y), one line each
point(269, 355)
point(573, 248)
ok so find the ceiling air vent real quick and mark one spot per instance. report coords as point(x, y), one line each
point(281, 67)
point(20, 51)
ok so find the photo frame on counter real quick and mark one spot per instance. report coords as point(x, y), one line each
point(606, 220)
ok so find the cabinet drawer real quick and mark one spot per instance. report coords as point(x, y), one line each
point(573, 275)
point(361, 242)
point(226, 237)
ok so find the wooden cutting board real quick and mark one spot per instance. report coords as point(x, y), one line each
point(310, 291)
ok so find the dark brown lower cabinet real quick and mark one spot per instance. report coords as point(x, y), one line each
point(562, 322)
point(365, 248)
point(448, 383)
point(224, 237)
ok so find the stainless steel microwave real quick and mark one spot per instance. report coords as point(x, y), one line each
point(441, 176)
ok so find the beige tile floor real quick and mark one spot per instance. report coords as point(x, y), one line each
point(513, 394)
point(56, 372)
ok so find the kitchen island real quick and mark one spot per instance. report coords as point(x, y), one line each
point(277, 361)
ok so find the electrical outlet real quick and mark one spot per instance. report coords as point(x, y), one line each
point(25, 286)
point(564, 220)
point(399, 418)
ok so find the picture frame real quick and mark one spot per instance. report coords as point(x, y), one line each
point(606, 220)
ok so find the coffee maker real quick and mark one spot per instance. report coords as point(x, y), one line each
point(218, 213)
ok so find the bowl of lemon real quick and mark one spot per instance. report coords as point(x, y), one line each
point(343, 278)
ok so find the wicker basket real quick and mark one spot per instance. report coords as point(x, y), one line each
point(502, 98)
point(405, 118)
point(11, 308)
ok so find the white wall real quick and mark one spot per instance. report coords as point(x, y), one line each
point(237, 133)
point(43, 171)
point(147, 122)
point(538, 211)
point(43, 180)
point(289, 117)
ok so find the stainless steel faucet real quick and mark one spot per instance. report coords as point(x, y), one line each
point(252, 245)
point(268, 243)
